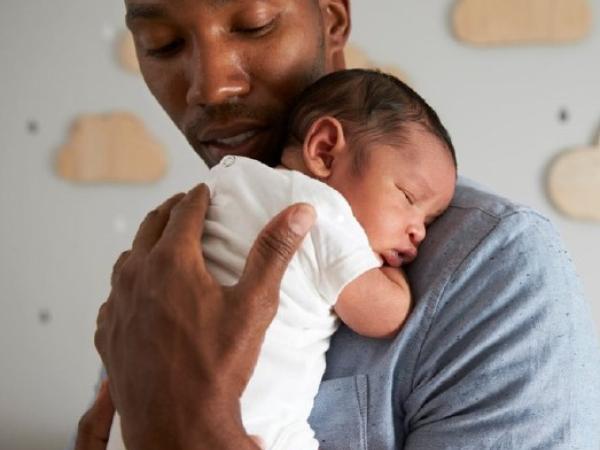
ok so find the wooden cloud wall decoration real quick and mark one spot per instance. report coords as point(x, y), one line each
point(126, 53)
point(113, 147)
point(573, 182)
point(505, 22)
point(356, 58)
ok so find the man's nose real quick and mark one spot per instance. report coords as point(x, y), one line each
point(216, 74)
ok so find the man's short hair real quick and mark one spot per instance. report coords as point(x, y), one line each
point(372, 106)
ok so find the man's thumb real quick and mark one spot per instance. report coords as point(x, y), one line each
point(274, 248)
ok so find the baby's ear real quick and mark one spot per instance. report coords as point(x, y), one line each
point(324, 142)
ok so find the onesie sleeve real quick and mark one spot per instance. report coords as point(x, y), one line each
point(341, 247)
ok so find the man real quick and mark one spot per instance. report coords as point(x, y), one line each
point(499, 352)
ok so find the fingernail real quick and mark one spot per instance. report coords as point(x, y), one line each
point(302, 219)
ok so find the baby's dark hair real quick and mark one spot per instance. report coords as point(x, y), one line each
point(373, 107)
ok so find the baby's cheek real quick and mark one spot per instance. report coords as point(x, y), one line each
point(382, 233)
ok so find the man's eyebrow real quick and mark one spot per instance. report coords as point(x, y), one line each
point(140, 11)
point(221, 2)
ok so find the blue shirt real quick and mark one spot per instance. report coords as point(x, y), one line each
point(500, 351)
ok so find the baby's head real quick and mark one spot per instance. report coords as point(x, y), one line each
point(377, 142)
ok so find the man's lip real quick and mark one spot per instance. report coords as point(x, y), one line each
point(249, 146)
point(233, 141)
point(211, 134)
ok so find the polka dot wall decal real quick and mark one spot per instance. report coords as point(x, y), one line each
point(32, 127)
point(44, 316)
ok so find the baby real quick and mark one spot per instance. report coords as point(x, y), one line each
point(378, 166)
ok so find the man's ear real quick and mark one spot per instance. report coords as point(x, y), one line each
point(324, 142)
point(336, 24)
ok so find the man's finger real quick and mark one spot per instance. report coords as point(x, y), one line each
point(117, 267)
point(153, 225)
point(103, 312)
point(94, 426)
point(274, 248)
point(186, 222)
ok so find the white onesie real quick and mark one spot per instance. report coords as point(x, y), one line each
point(245, 195)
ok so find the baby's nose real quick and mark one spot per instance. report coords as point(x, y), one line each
point(416, 234)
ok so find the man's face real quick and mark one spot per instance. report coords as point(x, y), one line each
point(226, 71)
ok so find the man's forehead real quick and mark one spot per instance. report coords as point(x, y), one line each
point(157, 3)
point(155, 9)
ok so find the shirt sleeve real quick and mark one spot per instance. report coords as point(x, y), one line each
point(341, 246)
point(511, 359)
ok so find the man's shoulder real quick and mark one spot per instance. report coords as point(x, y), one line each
point(471, 196)
point(477, 226)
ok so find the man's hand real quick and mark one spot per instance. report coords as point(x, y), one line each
point(178, 347)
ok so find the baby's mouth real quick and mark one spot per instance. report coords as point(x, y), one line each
point(397, 258)
point(393, 258)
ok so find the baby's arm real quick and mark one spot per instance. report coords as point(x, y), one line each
point(376, 303)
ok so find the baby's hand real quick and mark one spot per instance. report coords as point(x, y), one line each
point(395, 274)
point(376, 303)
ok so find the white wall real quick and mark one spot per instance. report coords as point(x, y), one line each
point(59, 240)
